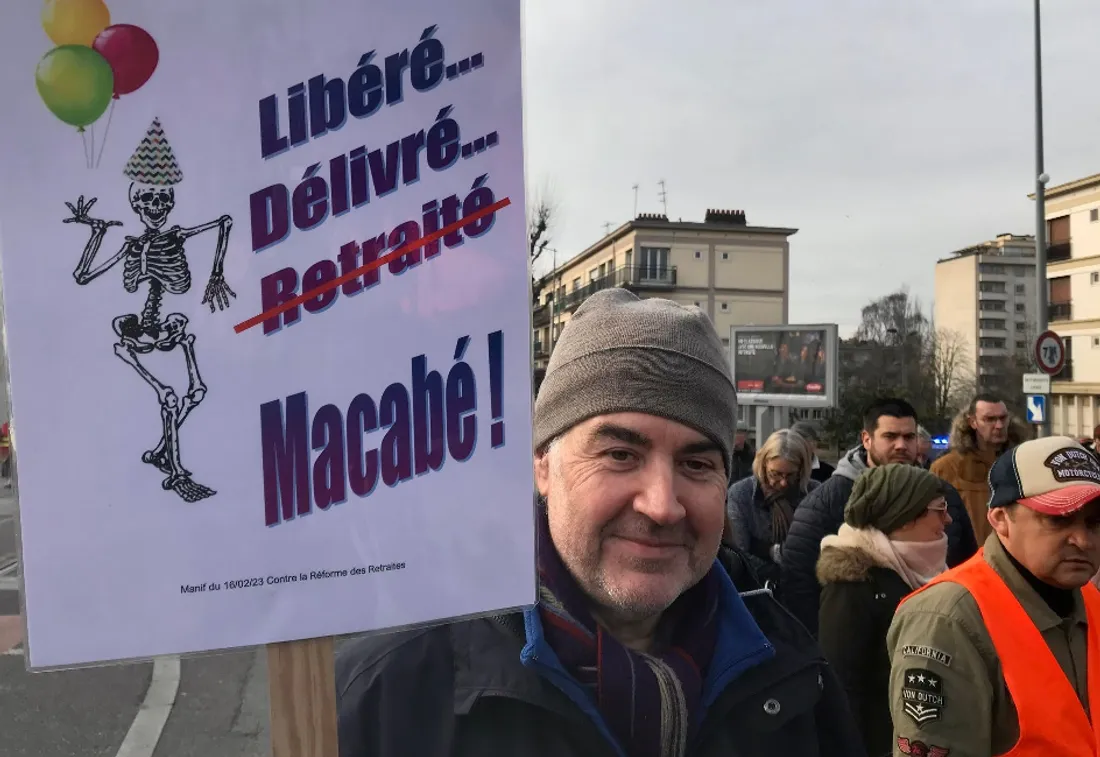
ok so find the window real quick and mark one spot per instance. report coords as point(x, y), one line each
point(725, 306)
point(1020, 307)
point(992, 323)
point(1021, 326)
point(992, 268)
point(992, 343)
point(698, 254)
point(992, 305)
point(1094, 277)
point(1019, 289)
point(725, 256)
point(698, 304)
point(997, 287)
point(594, 274)
point(1020, 272)
point(1094, 215)
point(1096, 341)
point(653, 263)
point(603, 270)
point(1021, 345)
point(576, 283)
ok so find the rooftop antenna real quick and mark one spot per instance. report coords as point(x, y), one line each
point(606, 228)
point(663, 194)
point(635, 202)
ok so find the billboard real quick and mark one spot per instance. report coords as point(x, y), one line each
point(789, 366)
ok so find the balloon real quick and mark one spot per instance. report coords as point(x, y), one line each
point(76, 83)
point(132, 53)
point(74, 22)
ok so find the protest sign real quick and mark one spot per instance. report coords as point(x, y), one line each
point(267, 313)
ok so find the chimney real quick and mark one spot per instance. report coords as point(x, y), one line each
point(731, 217)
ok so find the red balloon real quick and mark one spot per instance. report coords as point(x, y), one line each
point(132, 53)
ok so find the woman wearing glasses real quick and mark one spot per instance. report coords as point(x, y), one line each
point(760, 507)
point(893, 541)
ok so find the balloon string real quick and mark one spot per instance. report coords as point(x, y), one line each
point(84, 139)
point(106, 131)
point(91, 162)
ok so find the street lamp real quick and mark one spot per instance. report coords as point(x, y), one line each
point(1041, 179)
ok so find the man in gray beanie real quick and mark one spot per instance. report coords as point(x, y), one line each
point(641, 645)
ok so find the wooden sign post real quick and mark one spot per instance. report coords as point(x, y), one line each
point(302, 683)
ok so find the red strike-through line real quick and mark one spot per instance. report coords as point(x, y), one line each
point(405, 250)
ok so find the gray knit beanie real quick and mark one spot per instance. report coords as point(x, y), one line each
point(623, 354)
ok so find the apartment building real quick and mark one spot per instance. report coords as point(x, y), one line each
point(735, 272)
point(986, 295)
point(1073, 271)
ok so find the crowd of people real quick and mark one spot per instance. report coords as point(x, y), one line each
point(699, 597)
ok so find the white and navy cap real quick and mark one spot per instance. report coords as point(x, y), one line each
point(1054, 475)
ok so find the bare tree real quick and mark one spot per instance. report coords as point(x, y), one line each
point(541, 217)
point(951, 381)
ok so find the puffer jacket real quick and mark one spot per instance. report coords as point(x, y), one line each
point(751, 524)
point(821, 514)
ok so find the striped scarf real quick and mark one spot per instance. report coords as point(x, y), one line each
point(651, 702)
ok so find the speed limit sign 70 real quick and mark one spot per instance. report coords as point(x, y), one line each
point(1050, 353)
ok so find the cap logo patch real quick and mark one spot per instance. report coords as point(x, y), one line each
point(1071, 464)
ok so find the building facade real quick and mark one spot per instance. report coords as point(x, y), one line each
point(1073, 271)
point(985, 295)
point(738, 274)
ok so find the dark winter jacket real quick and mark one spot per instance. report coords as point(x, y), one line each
point(751, 524)
point(492, 686)
point(742, 463)
point(822, 472)
point(858, 599)
point(821, 514)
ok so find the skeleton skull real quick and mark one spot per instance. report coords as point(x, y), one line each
point(152, 204)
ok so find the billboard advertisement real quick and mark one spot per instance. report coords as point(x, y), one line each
point(791, 366)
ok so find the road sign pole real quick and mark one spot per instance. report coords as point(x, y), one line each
point(1041, 285)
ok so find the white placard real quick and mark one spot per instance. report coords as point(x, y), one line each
point(1036, 383)
point(198, 469)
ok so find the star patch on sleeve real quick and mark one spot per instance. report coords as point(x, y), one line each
point(920, 749)
point(922, 696)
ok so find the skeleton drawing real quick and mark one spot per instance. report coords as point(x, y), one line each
point(156, 259)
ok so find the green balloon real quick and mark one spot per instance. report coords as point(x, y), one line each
point(76, 83)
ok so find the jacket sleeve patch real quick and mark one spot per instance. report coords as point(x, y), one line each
point(928, 653)
point(922, 696)
point(920, 749)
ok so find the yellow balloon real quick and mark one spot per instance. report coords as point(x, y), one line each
point(74, 22)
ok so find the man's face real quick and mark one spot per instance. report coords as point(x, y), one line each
point(990, 422)
point(784, 351)
point(1061, 551)
point(894, 441)
point(636, 507)
point(739, 440)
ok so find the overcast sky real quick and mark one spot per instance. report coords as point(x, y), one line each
point(888, 133)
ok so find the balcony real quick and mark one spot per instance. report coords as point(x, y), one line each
point(540, 316)
point(1059, 251)
point(541, 351)
point(632, 277)
point(1060, 311)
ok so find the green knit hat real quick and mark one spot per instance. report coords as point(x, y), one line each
point(887, 497)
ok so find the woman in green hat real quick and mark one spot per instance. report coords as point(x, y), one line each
point(892, 542)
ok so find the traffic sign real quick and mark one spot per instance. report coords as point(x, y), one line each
point(1037, 409)
point(1050, 353)
point(1036, 383)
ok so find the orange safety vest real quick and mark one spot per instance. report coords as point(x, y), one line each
point(1052, 720)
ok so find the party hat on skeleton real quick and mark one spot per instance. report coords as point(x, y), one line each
point(153, 162)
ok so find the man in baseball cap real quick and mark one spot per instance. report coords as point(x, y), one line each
point(992, 657)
